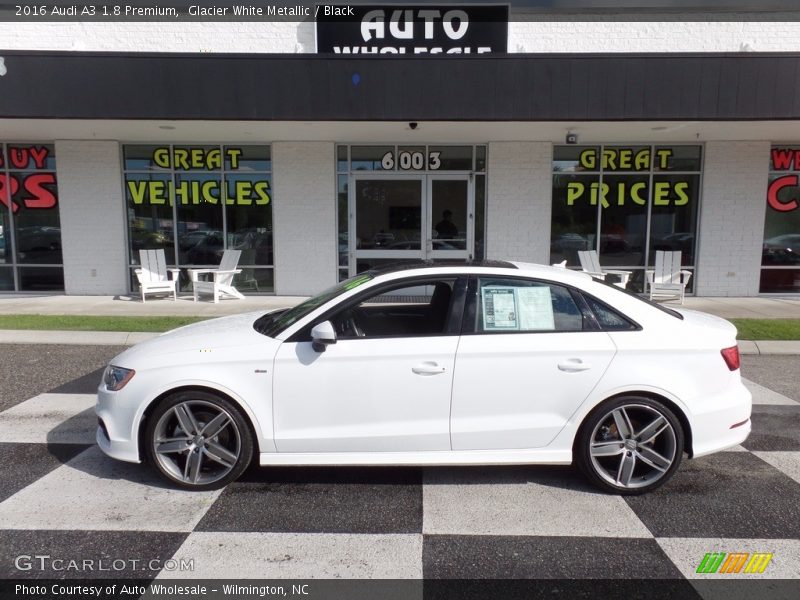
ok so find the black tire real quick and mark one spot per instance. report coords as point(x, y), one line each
point(219, 459)
point(644, 459)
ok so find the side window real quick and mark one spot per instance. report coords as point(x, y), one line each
point(417, 309)
point(509, 305)
point(607, 318)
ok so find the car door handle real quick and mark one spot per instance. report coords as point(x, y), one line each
point(573, 365)
point(428, 368)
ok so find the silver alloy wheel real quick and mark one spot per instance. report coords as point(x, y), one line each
point(197, 442)
point(633, 446)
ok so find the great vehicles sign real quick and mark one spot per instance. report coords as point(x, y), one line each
point(415, 30)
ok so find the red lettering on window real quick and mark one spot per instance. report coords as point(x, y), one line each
point(18, 157)
point(8, 187)
point(39, 156)
point(775, 187)
point(782, 159)
point(42, 196)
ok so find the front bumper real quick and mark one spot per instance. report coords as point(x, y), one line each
point(117, 437)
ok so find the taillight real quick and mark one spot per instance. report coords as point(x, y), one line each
point(731, 357)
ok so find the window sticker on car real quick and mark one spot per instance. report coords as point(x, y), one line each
point(535, 307)
point(499, 308)
point(509, 308)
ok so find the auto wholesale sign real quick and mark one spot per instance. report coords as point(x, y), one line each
point(415, 30)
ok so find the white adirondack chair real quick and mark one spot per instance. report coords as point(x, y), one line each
point(153, 274)
point(217, 282)
point(591, 265)
point(668, 281)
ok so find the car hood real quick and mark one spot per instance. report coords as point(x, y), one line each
point(215, 334)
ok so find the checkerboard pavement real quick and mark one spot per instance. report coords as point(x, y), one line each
point(62, 497)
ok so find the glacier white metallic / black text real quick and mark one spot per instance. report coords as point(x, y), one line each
point(492, 363)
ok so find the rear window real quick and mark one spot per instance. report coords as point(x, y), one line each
point(608, 318)
point(669, 311)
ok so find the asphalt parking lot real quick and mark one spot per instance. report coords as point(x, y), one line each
point(61, 496)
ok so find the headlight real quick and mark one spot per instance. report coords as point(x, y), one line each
point(116, 378)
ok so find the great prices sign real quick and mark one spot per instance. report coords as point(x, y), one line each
point(416, 30)
point(628, 161)
point(23, 180)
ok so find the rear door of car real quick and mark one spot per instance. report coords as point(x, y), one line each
point(529, 355)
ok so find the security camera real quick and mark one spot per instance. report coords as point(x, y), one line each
point(413, 125)
point(572, 138)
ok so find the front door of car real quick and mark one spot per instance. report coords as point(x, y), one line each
point(525, 364)
point(385, 385)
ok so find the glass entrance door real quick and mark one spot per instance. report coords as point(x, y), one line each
point(396, 218)
point(450, 217)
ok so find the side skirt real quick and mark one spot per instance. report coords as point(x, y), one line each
point(446, 457)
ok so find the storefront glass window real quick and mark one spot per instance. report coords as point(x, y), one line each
point(30, 227)
point(626, 202)
point(197, 201)
point(398, 203)
point(780, 255)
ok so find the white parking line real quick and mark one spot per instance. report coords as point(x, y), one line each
point(93, 491)
point(51, 419)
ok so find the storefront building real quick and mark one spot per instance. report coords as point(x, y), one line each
point(450, 132)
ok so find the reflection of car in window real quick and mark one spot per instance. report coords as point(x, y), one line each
point(613, 244)
point(782, 250)
point(192, 238)
point(569, 241)
point(143, 239)
point(39, 244)
point(256, 247)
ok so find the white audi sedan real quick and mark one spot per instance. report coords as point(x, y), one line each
point(490, 363)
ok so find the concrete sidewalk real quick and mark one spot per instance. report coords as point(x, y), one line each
point(19, 304)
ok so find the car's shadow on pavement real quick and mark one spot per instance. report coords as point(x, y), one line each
point(563, 477)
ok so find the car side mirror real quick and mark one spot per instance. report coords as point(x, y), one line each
point(322, 335)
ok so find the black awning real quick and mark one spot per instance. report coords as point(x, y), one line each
point(515, 87)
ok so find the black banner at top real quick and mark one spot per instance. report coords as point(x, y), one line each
point(412, 30)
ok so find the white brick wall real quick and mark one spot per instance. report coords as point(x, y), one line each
point(519, 201)
point(92, 217)
point(732, 218)
point(213, 36)
point(304, 216)
point(539, 33)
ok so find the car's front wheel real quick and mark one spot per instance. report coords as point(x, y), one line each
point(198, 440)
point(630, 445)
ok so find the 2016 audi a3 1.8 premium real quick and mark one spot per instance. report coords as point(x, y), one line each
point(490, 363)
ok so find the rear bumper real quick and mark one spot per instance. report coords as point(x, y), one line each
point(724, 424)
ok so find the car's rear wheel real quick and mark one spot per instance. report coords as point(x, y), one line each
point(630, 445)
point(198, 440)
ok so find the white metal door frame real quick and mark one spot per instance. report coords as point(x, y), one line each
point(426, 218)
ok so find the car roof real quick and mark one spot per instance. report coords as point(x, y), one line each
point(429, 264)
point(513, 268)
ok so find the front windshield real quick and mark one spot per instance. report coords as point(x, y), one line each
point(274, 323)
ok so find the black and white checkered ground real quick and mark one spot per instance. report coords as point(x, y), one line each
point(60, 496)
